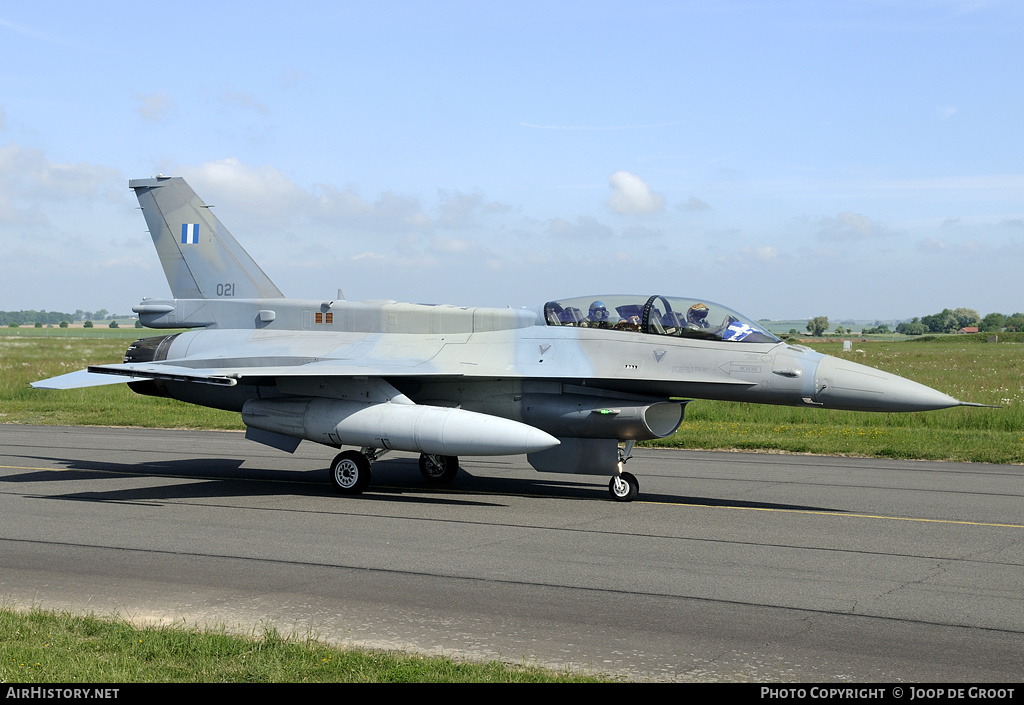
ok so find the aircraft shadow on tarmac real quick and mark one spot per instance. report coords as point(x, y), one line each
point(395, 480)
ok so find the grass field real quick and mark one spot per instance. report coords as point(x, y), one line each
point(962, 366)
point(127, 333)
point(51, 647)
point(27, 356)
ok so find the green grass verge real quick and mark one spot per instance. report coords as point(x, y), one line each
point(40, 646)
point(126, 333)
point(963, 366)
point(32, 357)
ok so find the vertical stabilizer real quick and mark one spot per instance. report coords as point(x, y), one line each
point(200, 257)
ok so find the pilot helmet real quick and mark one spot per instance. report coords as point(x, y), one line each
point(598, 312)
point(697, 315)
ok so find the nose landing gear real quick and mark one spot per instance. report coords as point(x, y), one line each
point(624, 486)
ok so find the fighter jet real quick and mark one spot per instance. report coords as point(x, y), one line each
point(573, 383)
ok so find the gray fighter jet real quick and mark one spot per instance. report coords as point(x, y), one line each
point(573, 383)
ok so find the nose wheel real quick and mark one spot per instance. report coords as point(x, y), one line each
point(624, 487)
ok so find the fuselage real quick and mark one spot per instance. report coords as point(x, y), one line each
point(486, 359)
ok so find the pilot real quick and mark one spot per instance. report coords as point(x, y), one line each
point(697, 316)
point(598, 316)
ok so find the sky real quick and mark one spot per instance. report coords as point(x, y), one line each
point(787, 159)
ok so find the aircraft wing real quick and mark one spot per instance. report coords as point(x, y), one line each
point(231, 375)
point(226, 376)
point(229, 372)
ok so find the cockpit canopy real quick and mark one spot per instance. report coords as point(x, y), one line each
point(657, 315)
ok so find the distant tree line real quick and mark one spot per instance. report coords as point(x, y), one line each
point(100, 315)
point(950, 321)
point(946, 321)
point(53, 318)
point(28, 318)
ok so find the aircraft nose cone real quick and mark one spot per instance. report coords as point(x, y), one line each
point(839, 384)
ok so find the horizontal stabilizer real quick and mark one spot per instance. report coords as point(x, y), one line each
point(80, 379)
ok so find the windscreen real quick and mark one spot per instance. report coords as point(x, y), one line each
point(657, 315)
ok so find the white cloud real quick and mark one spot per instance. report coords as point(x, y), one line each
point(639, 231)
point(585, 228)
point(849, 226)
point(391, 212)
point(765, 254)
point(156, 107)
point(264, 193)
point(30, 184)
point(630, 195)
point(601, 128)
point(453, 245)
point(243, 99)
point(931, 244)
point(458, 210)
point(695, 204)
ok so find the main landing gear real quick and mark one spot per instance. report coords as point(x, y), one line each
point(350, 470)
point(439, 469)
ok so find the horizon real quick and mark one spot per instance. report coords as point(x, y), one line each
point(117, 316)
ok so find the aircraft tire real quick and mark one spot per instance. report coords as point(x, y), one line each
point(350, 472)
point(438, 473)
point(624, 487)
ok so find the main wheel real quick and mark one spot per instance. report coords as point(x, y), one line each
point(350, 472)
point(439, 469)
point(624, 487)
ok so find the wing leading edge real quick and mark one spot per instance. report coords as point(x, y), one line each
point(229, 376)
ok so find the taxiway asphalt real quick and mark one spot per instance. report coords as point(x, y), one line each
point(729, 566)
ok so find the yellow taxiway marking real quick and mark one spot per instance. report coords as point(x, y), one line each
point(25, 467)
point(841, 514)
